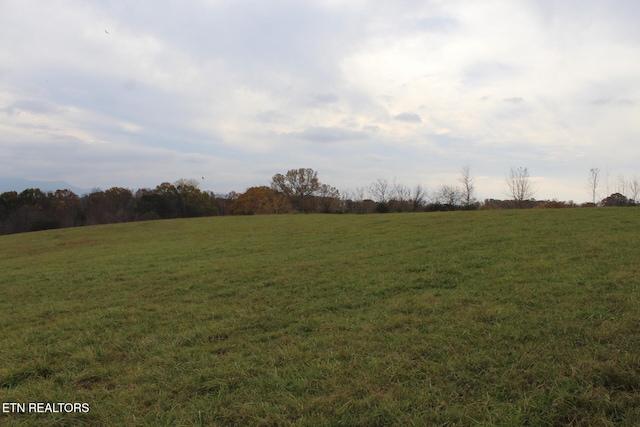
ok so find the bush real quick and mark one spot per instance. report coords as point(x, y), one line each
point(45, 224)
point(382, 207)
point(149, 216)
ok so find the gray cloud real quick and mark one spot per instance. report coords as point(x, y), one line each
point(325, 98)
point(487, 72)
point(323, 134)
point(408, 117)
point(435, 24)
point(273, 117)
point(33, 106)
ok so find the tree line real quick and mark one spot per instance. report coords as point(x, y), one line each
point(33, 209)
point(296, 191)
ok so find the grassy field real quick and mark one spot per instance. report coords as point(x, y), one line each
point(463, 318)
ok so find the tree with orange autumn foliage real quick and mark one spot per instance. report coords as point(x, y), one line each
point(299, 185)
point(260, 200)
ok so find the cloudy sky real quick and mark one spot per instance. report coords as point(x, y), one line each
point(134, 93)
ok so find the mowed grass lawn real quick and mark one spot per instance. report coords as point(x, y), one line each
point(462, 318)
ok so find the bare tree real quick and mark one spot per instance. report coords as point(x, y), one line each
point(346, 201)
point(593, 180)
point(417, 197)
point(358, 199)
point(621, 185)
point(468, 187)
point(634, 189)
point(380, 191)
point(358, 194)
point(519, 185)
point(451, 196)
point(329, 198)
point(607, 183)
point(400, 196)
point(400, 192)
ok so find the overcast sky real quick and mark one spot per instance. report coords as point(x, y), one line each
point(135, 93)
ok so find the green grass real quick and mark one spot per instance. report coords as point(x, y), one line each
point(464, 318)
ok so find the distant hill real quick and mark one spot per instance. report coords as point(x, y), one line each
point(20, 184)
